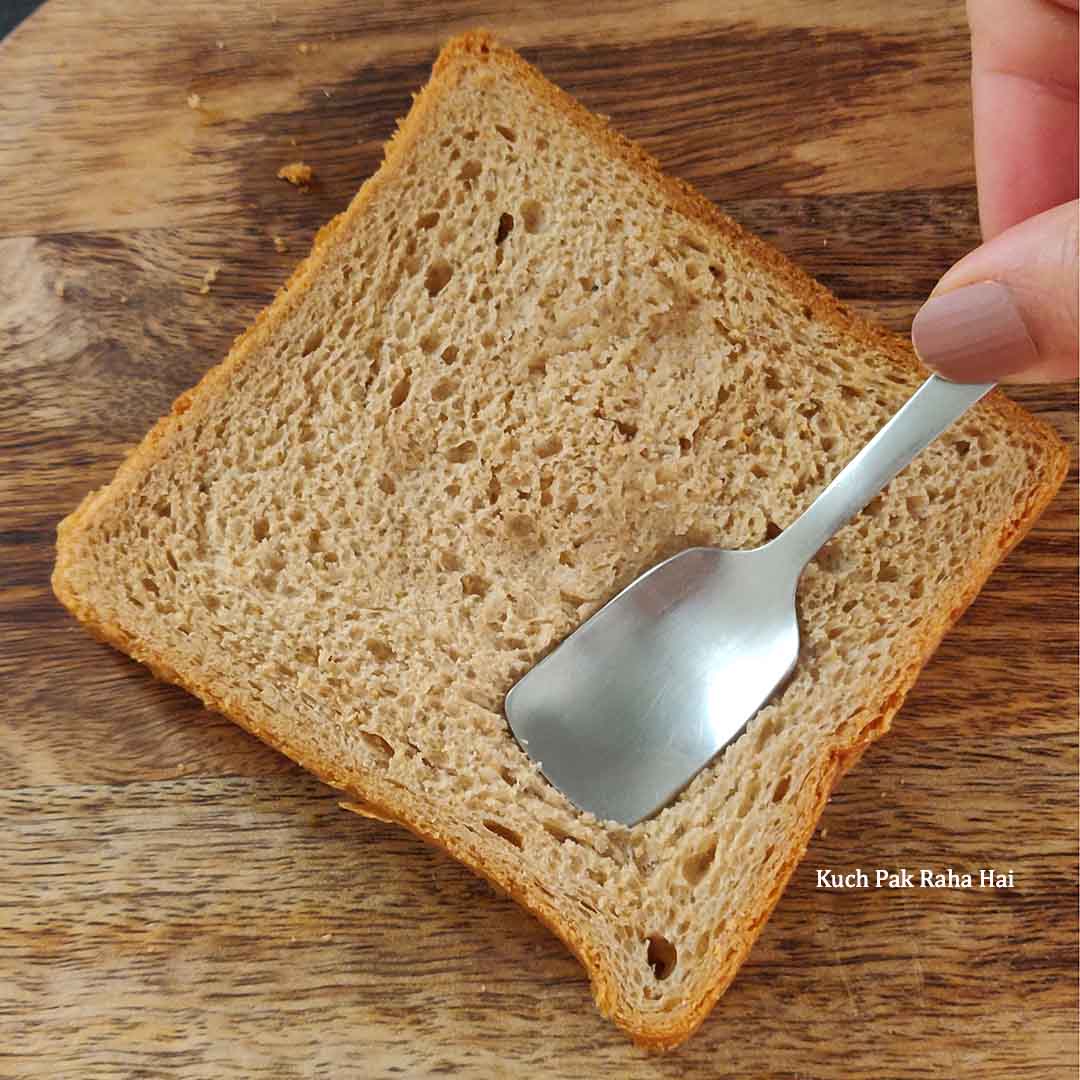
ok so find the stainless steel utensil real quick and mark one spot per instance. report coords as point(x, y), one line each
point(627, 710)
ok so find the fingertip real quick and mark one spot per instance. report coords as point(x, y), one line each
point(975, 333)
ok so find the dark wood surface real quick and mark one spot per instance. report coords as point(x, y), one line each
point(175, 898)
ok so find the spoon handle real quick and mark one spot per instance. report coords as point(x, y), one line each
point(926, 414)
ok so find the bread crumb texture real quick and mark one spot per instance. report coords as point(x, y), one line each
point(297, 173)
point(522, 368)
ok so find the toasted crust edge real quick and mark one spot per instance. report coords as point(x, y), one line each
point(647, 1030)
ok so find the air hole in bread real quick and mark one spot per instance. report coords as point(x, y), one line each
point(697, 865)
point(377, 745)
point(782, 787)
point(470, 170)
point(662, 956)
point(506, 227)
point(386, 484)
point(532, 215)
point(449, 561)
point(449, 354)
point(749, 797)
point(917, 588)
point(556, 832)
point(511, 836)
point(549, 447)
point(443, 389)
point(401, 390)
point(430, 342)
point(887, 573)
point(474, 585)
point(772, 531)
point(428, 221)
point(379, 650)
point(261, 529)
point(439, 273)
point(507, 133)
point(314, 340)
point(463, 452)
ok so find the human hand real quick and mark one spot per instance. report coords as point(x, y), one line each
point(1008, 310)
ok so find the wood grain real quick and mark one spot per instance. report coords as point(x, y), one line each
point(177, 899)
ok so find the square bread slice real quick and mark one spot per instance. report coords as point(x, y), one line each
point(520, 369)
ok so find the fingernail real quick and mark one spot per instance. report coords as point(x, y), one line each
point(973, 334)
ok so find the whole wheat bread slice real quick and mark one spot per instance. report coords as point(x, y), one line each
point(520, 369)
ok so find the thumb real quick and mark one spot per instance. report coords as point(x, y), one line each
point(1008, 311)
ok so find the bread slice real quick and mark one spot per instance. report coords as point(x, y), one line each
point(520, 369)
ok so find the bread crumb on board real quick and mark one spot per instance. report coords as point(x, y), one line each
point(306, 47)
point(280, 243)
point(297, 173)
point(209, 278)
point(59, 287)
point(207, 116)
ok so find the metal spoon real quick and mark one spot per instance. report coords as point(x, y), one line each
point(633, 704)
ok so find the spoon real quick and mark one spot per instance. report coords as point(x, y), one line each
point(626, 711)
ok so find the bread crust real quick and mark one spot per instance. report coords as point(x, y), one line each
point(370, 794)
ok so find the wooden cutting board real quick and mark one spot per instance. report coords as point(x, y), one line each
point(175, 898)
